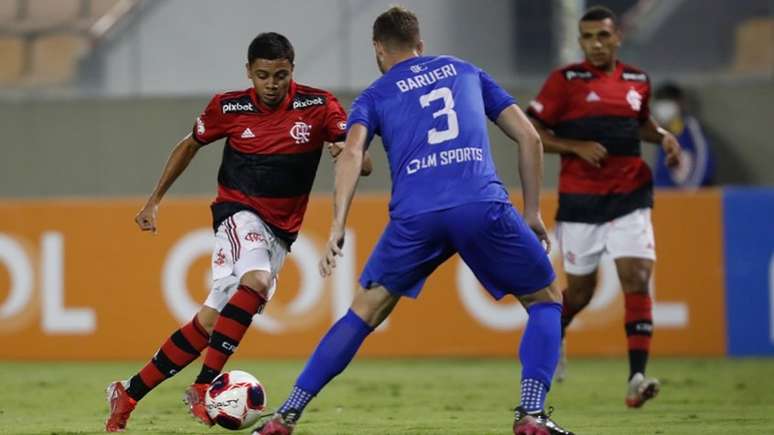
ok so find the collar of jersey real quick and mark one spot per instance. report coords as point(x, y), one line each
point(616, 72)
point(281, 106)
point(407, 62)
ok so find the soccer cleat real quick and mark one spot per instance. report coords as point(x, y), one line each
point(279, 424)
point(561, 367)
point(641, 389)
point(194, 399)
point(538, 423)
point(120, 405)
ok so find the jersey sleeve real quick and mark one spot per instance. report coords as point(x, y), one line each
point(549, 104)
point(335, 121)
point(496, 99)
point(364, 112)
point(645, 110)
point(210, 124)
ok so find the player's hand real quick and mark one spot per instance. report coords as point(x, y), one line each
point(590, 151)
point(332, 249)
point(535, 222)
point(672, 150)
point(334, 148)
point(146, 218)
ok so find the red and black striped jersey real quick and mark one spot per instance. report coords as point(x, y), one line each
point(582, 102)
point(271, 155)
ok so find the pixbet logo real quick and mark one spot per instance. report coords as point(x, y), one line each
point(308, 102)
point(237, 106)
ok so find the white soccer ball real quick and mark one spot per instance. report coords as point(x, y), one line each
point(235, 400)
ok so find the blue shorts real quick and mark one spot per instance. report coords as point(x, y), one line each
point(492, 239)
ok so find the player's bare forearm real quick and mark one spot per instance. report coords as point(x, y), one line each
point(590, 151)
point(349, 165)
point(178, 160)
point(335, 149)
point(368, 165)
point(552, 143)
point(651, 132)
point(514, 123)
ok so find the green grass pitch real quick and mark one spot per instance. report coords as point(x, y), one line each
point(413, 396)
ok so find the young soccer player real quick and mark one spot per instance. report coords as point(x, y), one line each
point(275, 132)
point(431, 113)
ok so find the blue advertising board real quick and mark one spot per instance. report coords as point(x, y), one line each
point(749, 256)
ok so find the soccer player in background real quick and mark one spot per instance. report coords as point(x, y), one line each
point(275, 132)
point(595, 113)
point(431, 113)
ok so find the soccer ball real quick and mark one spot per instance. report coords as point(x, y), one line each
point(235, 400)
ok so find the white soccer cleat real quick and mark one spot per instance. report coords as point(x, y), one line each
point(641, 389)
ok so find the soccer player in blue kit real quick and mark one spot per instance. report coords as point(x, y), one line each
point(446, 198)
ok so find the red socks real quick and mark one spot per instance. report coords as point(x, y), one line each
point(229, 329)
point(639, 329)
point(178, 351)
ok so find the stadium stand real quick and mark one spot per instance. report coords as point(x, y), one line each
point(42, 41)
point(754, 51)
point(54, 58)
point(12, 53)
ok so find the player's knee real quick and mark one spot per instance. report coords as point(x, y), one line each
point(547, 294)
point(580, 290)
point(635, 281)
point(206, 318)
point(373, 305)
point(257, 280)
point(578, 299)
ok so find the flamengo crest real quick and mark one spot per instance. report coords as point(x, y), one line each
point(301, 132)
point(634, 99)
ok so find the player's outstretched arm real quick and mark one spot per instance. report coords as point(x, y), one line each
point(514, 123)
point(178, 160)
point(368, 165)
point(651, 132)
point(590, 151)
point(349, 165)
point(334, 148)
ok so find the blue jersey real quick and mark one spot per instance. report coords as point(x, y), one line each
point(431, 113)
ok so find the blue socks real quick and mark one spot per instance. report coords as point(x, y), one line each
point(539, 353)
point(332, 355)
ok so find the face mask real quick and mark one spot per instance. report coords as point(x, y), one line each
point(665, 111)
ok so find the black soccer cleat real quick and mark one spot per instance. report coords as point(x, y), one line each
point(528, 423)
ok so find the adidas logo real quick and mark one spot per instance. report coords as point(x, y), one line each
point(592, 96)
point(247, 134)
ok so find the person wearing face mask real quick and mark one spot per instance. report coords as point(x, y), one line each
point(696, 166)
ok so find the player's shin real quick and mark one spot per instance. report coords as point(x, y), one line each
point(639, 329)
point(232, 323)
point(179, 350)
point(331, 357)
point(539, 353)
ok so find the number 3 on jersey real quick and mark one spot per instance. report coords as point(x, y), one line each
point(452, 131)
